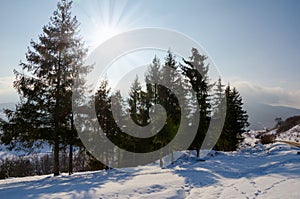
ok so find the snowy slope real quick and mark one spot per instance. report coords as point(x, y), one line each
point(271, 171)
point(291, 135)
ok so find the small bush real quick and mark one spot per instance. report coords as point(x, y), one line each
point(267, 139)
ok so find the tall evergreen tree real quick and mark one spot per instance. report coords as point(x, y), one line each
point(135, 102)
point(52, 64)
point(171, 98)
point(104, 115)
point(218, 112)
point(138, 109)
point(219, 96)
point(118, 108)
point(236, 121)
point(195, 69)
point(171, 76)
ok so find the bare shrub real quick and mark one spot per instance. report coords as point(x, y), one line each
point(267, 139)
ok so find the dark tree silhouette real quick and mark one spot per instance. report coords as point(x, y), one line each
point(195, 69)
point(236, 121)
point(44, 112)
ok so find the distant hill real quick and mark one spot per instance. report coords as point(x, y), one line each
point(262, 115)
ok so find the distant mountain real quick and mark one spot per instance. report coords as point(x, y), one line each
point(262, 115)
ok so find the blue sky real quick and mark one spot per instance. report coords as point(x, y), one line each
point(255, 44)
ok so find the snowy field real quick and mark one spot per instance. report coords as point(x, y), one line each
point(271, 171)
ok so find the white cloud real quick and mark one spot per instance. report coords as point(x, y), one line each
point(7, 92)
point(252, 92)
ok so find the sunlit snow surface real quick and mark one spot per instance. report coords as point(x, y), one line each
point(256, 171)
point(271, 171)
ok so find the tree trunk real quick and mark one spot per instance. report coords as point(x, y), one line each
point(107, 161)
point(71, 160)
point(56, 155)
point(56, 124)
point(119, 157)
point(71, 145)
point(198, 152)
point(161, 163)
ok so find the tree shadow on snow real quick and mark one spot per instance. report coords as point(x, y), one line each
point(279, 161)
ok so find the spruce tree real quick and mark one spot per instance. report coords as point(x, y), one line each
point(171, 76)
point(171, 98)
point(165, 94)
point(236, 121)
point(52, 64)
point(135, 102)
point(218, 112)
point(118, 108)
point(196, 69)
point(219, 96)
point(139, 114)
point(104, 115)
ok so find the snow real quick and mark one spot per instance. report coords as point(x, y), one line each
point(255, 171)
point(261, 171)
point(291, 135)
point(251, 140)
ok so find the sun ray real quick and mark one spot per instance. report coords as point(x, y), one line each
point(106, 19)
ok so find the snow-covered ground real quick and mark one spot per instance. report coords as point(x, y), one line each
point(255, 171)
point(291, 135)
point(270, 171)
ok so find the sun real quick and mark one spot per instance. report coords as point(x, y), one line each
point(105, 19)
point(105, 32)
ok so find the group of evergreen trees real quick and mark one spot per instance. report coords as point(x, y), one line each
point(44, 113)
point(213, 99)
